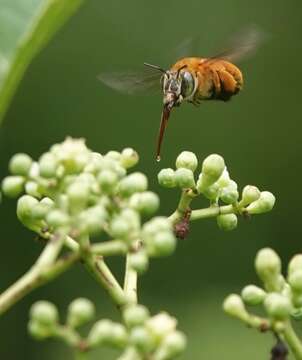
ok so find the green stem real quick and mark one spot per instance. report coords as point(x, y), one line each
point(109, 248)
point(37, 276)
point(100, 271)
point(293, 341)
point(130, 283)
point(184, 205)
point(212, 211)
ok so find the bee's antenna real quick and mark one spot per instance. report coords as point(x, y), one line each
point(156, 67)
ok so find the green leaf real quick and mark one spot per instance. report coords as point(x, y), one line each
point(25, 27)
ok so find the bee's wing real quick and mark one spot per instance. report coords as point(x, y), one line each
point(242, 45)
point(139, 82)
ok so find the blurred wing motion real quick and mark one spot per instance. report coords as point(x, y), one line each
point(242, 45)
point(139, 82)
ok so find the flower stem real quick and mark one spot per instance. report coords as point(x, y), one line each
point(293, 341)
point(43, 271)
point(212, 211)
point(183, 206)
point(130, 283)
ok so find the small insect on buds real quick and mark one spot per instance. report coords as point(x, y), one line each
point(227, 222)
point(249, 195)
point(129, 158)
point(187, 160)
point(268, 268)
point(212, 168)
point(20, 164)
point(80, 311)
point(135, 315)
point(264, 204)
point(277, 306)
point(184, 178)
point(166, 178)
point(13, 186)
point(253, 295)
point(234, 306)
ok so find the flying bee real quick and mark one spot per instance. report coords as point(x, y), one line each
point(190, 79)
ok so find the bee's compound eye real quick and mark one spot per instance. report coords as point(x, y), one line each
point(187, 84)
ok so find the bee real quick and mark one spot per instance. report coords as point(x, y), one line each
point(190, 79)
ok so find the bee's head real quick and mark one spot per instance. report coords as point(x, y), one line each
point(177, 86)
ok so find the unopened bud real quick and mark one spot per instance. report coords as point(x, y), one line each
point(129, 158)
point(212, 169)
point(172, 345)
point(45, 313)
point(146, 202)
point(227, 222)
point(161, 325)
point(295, 281)
point(229, 195)
point(135, 315)
point(142, 339)
point(249, 195)
point(268, 268)
point(184, 178)
point(20, 164)
point(48, 165)
point(234, 306)
point(295, 264)
point(107, 180)
point(80, 311)
point(135, 182)
point(25, 212)
point(253, 295)
point(264, 204)
point(12, 186)
point(139, 261)
point(277, 306)
point(188, 160)
point(163, 244)
point(57, 218)
point(166, 178)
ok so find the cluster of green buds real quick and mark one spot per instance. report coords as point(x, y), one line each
point(81, 193)
point(141, 336)
point(215, 184)
point(280, 297)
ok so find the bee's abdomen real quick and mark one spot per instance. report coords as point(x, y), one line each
point(227, 80)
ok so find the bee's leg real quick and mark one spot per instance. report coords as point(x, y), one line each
point(195, 102)
point(236, 73)
point(216, 84)
point(229, 85)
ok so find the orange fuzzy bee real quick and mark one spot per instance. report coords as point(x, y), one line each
point(191, 79)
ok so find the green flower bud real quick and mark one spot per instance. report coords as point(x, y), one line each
point(184, 178)
point(212, 168)
point(32, 188)
point(101, 332)
point(40, 210)
point(264, 204)
point(224, 179)
point(295, 281)
point(172, 345)
point(48, 165)
point(229, 195)
point(78, 196)
point(139, 261)
point(166, 178)
point(129, 158)
point(92, 219)
point(249, 195)
point(253, 295)
point(12, 186)
point(295, 264)
point(141, 338)
point(25, 212)
point(20, 164)
point(80, 311)
point(187, 160)
point(146, 202)
point(277, 306)
point(120, 227)
point(233, 306)
point(161, 325)
point(39, 331)
point(268, 268)
point(135, 315)
point(227, 222)
point(135, 182)
point(119, 336)
point(114, 155)
point(210, 192)
point(108, 181)
point(57, 218)
point(157, 224)
point(44, 313)
point(163, 244)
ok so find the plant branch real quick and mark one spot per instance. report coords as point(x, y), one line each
point(293, 341)
point(130, 283)
point(183, 206)
point(212, 211)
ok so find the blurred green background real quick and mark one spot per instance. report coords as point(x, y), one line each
point(258, 133)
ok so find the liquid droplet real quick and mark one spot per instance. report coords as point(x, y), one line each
point(158, 158)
